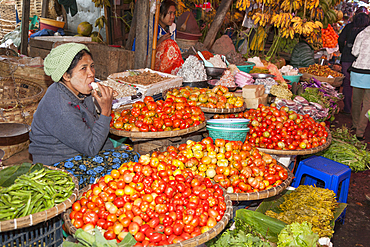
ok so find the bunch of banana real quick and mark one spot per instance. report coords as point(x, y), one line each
point(309, 27)
point(267, 2)
point(281, 20)
point(329, 17)
point(242, 5)
point(101, 3)
point(261, 18)
point(310, 4)
point(100, 22)
point(317, 14)
point(325, 5)
point(287, 32)
point(288, 5)
point(297, 24)
point(258, 39)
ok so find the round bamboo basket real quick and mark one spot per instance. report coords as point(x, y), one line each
point(214, 110)
point(300, 152)
point(255, 195)
point(154, 135)
point(192, 242)
point(43, 216)
point(264, 193)
point(13, 93)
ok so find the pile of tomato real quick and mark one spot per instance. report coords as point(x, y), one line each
point(329, 37)
point(284, 129)
point(237, 167)
point(217, 97)
point(155, 116)
point(152, 202)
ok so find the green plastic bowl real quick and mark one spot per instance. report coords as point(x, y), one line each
point(293, 78)
point(246, 68)
point(229, 134)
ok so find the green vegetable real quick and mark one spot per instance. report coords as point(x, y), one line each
point(346, 149)
point(98, 240)
point(298, 235)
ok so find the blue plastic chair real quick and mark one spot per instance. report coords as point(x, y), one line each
point(334, 175)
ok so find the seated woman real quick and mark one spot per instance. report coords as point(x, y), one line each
point(302, 54)
point(67, 130)
point(168, 54)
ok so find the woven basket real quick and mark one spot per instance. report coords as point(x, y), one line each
point(13, 149)
point(300, 152)
point(192, 242)
point(36, 218)
point(153, 135)
point(7, 12)
point(35, 7)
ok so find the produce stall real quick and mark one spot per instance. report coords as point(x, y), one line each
point(220, 133)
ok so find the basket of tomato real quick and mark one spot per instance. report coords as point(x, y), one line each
point(215, 100)
point(157, 119)
point(155, 202)
point(243, 171)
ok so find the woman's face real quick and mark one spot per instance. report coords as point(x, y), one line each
point(82, 76)
point(169, 18)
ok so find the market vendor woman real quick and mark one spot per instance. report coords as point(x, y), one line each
point(67, 130)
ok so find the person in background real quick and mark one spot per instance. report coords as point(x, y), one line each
point(346, 39)
point(360, 77)
point(168, 54)
point(67, 130)
point(302, 54)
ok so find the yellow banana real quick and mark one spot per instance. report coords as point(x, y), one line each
point(319, 24)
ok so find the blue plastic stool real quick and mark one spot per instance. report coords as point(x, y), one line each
point(335, 175)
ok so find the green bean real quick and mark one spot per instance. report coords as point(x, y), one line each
point(35, 173)
point(20, 193)
point(27, 206)
point(37, 207)
point(39, 176)
point(34, 201)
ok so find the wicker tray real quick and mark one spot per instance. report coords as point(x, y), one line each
point(154, 135)
point(264, 193)
point(192, 242)
point(299, 152)
point(36, 218)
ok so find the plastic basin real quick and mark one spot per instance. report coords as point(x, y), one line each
point(246, 68)
point(293, 78)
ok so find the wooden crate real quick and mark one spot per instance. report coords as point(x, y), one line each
point(107, 60)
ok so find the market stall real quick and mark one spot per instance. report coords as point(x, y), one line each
point(218, 134)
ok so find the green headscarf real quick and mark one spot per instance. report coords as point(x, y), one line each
point(60, 58)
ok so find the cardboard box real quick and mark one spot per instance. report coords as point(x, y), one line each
point(253, 91)
point(252, 103)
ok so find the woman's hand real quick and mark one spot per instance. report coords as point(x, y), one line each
point(104, 98)
point(163, 38)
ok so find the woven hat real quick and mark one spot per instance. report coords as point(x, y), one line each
point(60, 58)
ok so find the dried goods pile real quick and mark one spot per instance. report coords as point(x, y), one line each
point(168, 115)
point(192, 70)
point(217, 97)
point(320, 70)
point(226, 80)
point(311, 204)
point(142, 78)
point(237, 167)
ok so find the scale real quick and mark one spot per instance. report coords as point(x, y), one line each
point(13, 133)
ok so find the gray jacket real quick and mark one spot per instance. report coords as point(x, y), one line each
point(65, 125)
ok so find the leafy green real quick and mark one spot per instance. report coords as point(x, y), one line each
point(11, 173)
point(298, 235)
point(98, 240)
point(345, 148)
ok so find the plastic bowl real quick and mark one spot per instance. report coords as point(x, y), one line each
point(293, 78)
point(215, 72)
point(246, 68)
point(229, 123)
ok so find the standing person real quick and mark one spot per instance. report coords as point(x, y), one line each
point(302, 54)
point(67, 131)
point(345, 41)
point(360, 77)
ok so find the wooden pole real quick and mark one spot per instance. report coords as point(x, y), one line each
point(44, 8)
point(217, 23)
point(25, 26)
point(155, 33)
point(131, 34)
point(141, 42)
